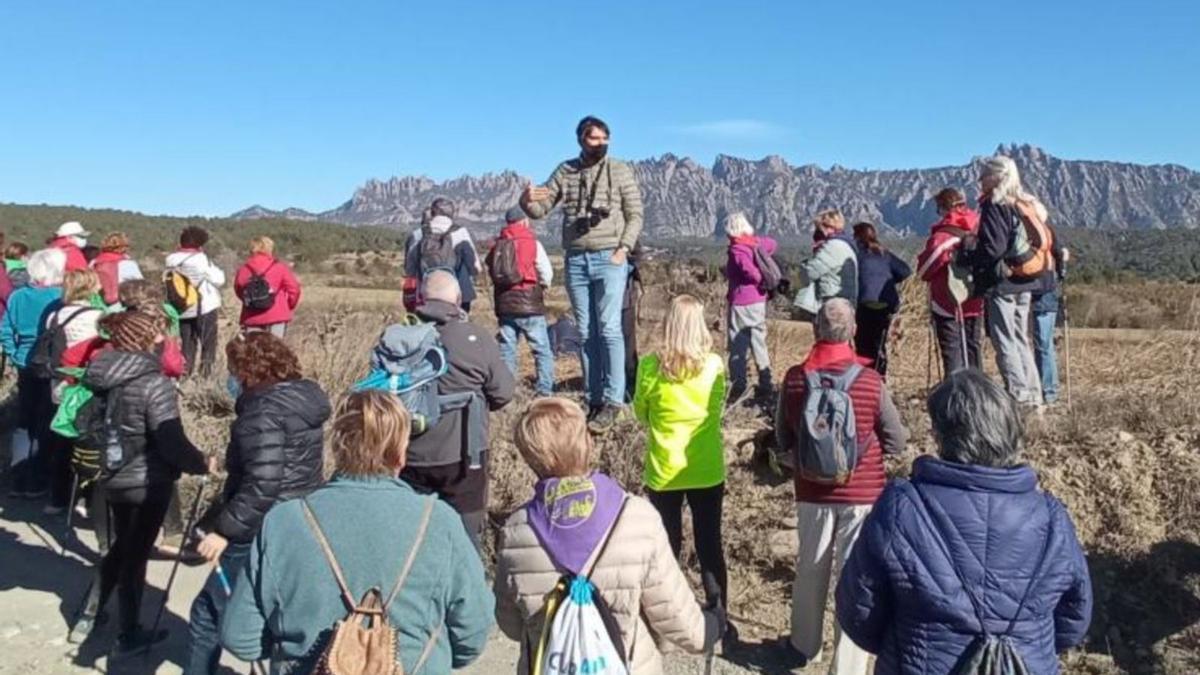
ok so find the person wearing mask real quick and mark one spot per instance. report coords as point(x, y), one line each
point(275, 453)
point(581, 521)
point(198, 323)
point(261, 272)
point(830, 515)
point(379, 533)
point(77, 319)
point(957, 318)
point(746, 315)
point(1008, 267)
point(879, 273)
point(155, 451)
point(680, 397)
point(71, 239)
point(114, 266)
point(833, 267)
point(440, 460)
point(441, 243)
point(969, 544)
point(602, 219)
point(521, 306)
point(23, 322)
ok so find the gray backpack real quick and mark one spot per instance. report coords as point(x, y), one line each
point(829, 444)
point(990, 653)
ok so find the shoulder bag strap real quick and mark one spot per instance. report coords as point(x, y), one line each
point(607, 537)
point(925, 508)
point(412, 553)
point(315, 526)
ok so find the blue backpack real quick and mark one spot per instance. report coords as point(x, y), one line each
point(407, 361)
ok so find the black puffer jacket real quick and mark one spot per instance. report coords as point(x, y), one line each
point(276, 452)
point(151, 434)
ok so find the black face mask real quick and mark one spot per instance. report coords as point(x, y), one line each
point(596, 153)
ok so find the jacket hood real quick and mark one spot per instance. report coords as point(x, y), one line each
point(975, 478)
point(114, 368)
point(303, 398)
point(440, 312)
point(962, 218)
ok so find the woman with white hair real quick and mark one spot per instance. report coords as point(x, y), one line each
point(746, 316)
point(1014, 251)
point(25, 320)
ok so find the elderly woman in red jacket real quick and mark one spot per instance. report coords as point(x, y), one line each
point(268, 289)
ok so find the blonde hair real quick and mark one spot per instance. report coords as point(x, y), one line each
point(80, 286)
point(263, 244)
point(737, 225)
point(115, 242)
point(370, 434)
point(831, 218)
point(1008, 188)
point(686, 340)
point(553, 438)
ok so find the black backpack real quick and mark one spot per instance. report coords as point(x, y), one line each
point(47, 352)
point(436, 251)
point(258, 294)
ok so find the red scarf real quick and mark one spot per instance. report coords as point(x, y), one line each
point(745, 240)
point(826, 355)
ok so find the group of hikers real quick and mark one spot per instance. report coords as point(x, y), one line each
point(967, 562)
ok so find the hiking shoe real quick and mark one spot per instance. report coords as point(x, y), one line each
point(82, 629)
point(605, 419)
point(138, 639)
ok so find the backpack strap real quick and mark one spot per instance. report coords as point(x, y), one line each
point(815, 379)
point(934, 510)
point(315, 526)
point(412, 552)
point(607, 537)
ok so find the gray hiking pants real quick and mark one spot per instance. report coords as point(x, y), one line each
point(1008, 327)
point(748, 332)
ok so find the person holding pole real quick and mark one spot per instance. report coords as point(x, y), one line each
point(149, 452)
point(957, 318)
point(276, 452)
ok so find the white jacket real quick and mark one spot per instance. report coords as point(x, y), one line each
point(204, 275)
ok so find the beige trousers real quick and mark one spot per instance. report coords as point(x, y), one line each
point(827, 533)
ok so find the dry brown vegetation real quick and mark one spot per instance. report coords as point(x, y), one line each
point(1123, 457)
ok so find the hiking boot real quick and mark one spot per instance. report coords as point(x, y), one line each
point(138, 639)
point(605, 419)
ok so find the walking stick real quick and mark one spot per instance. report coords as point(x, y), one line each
point(1067, 345)
point(713, 590)
point(962, 332)
point(68, 533)
point(3, 364)
point(188, 525)
point(929, 359)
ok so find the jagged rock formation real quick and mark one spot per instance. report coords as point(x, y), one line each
point(684, 198)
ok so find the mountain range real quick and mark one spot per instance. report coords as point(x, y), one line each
point(685, 199)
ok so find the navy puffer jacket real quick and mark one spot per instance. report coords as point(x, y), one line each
point(899, 596)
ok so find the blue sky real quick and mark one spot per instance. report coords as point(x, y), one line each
point(208, 107)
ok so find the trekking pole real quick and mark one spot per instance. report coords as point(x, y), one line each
point(962, 333)
point(69, 533)
point(3, 363)
point(713, 590)
point(188, 525)
point(929, 359)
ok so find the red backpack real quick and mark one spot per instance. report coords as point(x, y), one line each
point(109, 273)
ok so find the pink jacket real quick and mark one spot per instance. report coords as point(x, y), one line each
point(743, 275)
point(281, 279)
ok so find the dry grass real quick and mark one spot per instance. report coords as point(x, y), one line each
point(1123, 458)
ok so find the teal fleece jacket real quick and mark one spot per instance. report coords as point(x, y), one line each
point(28, 309)
point(286, 599)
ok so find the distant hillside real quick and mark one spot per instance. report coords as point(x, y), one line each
point(300, 241)
point(685, 199)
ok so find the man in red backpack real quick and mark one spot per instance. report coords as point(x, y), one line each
point(521, 272)
point(71, 238)
point(268, 289)
point(830, 515)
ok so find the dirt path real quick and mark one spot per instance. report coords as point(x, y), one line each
point(41, 589)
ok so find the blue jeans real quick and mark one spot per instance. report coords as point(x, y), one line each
point(1043, 352)
point(536, 334)
point(204, 629)
point(596, 288)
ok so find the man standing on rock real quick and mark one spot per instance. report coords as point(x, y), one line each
point(602, 218)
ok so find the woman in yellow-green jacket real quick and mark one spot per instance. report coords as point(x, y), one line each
point(679, 399)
